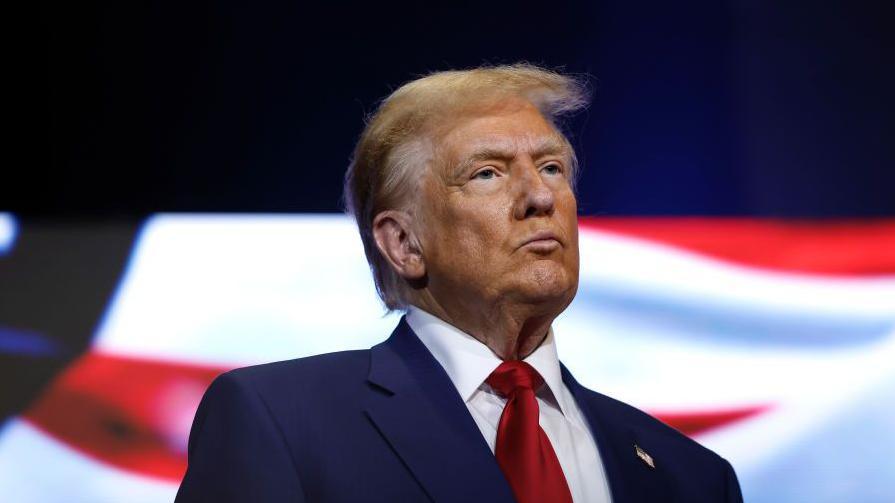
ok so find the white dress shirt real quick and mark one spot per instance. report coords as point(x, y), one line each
point(468, 363)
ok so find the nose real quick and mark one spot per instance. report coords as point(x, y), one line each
point(534, 197)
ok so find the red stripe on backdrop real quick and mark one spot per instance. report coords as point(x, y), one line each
point(135, 414)
point(128, 412)
point(697, 423)
point(828, 247)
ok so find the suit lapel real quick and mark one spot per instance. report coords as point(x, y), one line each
point(631, 479)
point(420, 414)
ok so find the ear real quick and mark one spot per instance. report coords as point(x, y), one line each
point(395, 239)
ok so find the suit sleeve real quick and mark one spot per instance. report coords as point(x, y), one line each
point(236, 450)
point(734, 495)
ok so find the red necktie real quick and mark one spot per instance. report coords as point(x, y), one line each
point(523, 450)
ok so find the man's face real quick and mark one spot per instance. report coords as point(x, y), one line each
point(499, 220)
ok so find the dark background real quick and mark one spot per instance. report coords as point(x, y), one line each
point(734, 107)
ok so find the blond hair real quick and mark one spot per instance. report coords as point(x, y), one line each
point(397, 143)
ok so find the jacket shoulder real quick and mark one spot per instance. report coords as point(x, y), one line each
point(303, 376)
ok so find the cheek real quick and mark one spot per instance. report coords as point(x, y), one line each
point(463, 241)
point(477, 242)
point(573, 237)
point(568, 212)
point(573, 257)
point(480, 224)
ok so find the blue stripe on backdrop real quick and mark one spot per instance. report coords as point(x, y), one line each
point(8, 231)
point(728, 322)
point(26, 342)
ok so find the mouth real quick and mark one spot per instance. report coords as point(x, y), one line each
point(541, 241)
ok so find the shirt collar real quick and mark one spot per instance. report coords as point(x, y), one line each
point(468, 362)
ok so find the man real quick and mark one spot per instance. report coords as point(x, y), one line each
point(463, 190)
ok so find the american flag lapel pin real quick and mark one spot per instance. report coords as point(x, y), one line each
point(644, 456)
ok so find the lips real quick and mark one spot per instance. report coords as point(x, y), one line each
point(546, 240)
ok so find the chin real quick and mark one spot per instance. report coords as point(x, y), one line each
point(549, 283)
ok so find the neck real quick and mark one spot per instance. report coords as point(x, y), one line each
point(511, 331)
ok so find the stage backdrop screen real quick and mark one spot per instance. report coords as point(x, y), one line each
point(771, 342)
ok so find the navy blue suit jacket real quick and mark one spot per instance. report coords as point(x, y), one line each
point(387, 424)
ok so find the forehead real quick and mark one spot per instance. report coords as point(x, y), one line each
point(505, 131)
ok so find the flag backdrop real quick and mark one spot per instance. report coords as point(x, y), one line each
point(771, 342)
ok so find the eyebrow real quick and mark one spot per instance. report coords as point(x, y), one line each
point(504, 150)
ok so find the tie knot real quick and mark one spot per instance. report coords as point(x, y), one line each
point(511, 376)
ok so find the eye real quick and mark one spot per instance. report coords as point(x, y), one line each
point(552, 169)
point(485, 174)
